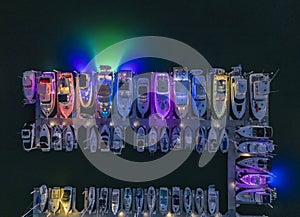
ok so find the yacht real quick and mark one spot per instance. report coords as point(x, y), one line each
point(57, 138)
point(254, 132)
point(105, 138)
point(152, 141)
point(258, 163)
point(103, 201)
point(176, 200)
point(224, 143)
point(200, 140)
point(212, 200)
point(181, 91)
point(91, 200)
point(176, 138)
point(251, 178)
point(117, 141)
point(143, 96)
point(65, 94)
point(212, 143)
point(220, 94)
point(47, 92)
point(93, 141)
point(45, 138)
point(187, 200)
point(256, 147)
point(69, 139)
point(139, 200)
point(66, 199)
point(238, 95)
point(162, 94)
point(141, 139)
point(115, 201)
point(164, 140)
point(188, 138)
point(54, 200)
point(259, 91)
point(86, 89)
point(127, 199)
point(43, 197)
point(163, 200)
point(28, 136)
point(151, 199)
point(29, 86)
point(124, 92)
point(199, 200)
point(256, 196)
point(199, 97)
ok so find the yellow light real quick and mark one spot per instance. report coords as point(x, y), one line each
point(232, 185)
point(169, 214)
point(111, 123)
point(121, 214)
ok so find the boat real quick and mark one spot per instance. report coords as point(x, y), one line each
point(104, 92)
point(176, 200)
point(151, 199)
point(162, 94)
point(86, 89)
point(105, 139)
point(143, 96)
point(54, 200)
point(220, 94)
point(65, 94)
point(258, 163)
point(45, 140)
point(224, 143)
point(164, 141)
point(29, 86)
point(199, 97)
point(212, 200)
point(117, 141)
point(115, 201)
point(163, 200)
point(141, 139)
point(57, 138)
point(28, 136)
point(91, 200)
point(256, 196)
point(46, 89)
point(251, 178)
point(187, 200)
point(66, 199)
point(127, 199)
point(176, 138)
point(254, 132)
point(103, 201)
point(238, 95)
point(199, 200)
point(259, 91)
point(139, 200)
point(200, 140)
point(152, 145)
point(188, 138)
point(181, 91)
point(212, 143)
point(93, 141)
point(69, 139)
point(43, 197)
point(256, 147)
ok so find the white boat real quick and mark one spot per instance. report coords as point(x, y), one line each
point(152, 141)
point(141, 139)
point(256, 196)
point(65, 94)
point(151, 199)
point(86, 89)
point(188, 138)
point(28, 136)
point(143, 96)
point(91, 200)
point(199, 96)
point(181, 91)
point(93, 141)
point(251, 178)
point(29, 86)
point(105, 138)
point(117, 141)
point(220, 94)
point(103, 201)
point(162, 94)
point(175, 200)
point(45, 140)
point(254, 132)
point(199, 200)
point(139, 200)
point(212, 200)
point(57, 138)
point(259, 92)
point(224, 143)
point(115, 201)
point(164, 140)
point(163, 200)
point(187, 200)
point(69, 139)
point(43, 197)
point(238, 95)
point(127, 199)
point(258, 163)
point(176, 138)
point(54, 200)
point(212, 143)
point(66, 199)
point(201, 140)
point(256, 147)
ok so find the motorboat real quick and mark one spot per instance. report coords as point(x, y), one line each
point(188, 138)
point(124, 92)
point(127, 199)
point(103, 201)
point(163, 200)
point(66, 199)
point(187, 200)
point(28, 136)
point(104, 93)
point(141, 139)
point(251, 178)
point(91, 200)
point(152, 140)
point(164, 141)
point(56, 140)
point(253, 132)
point(29, 86)
point(151, 199)
point(175, 200)
point(86, 89)
point(54, 200)
point(199, 200)
point(238, 95)
point(256, 196)
point(143, 96)
point(43, 197)
point(162, 94)
point(45, 140)
point(258, 163)
point(46, 89)
point(117, 141)
point(65, 94)
point(182, 88)
point(220, 94)
point(259, 92)
point(105, 138)
point(199, 96)
point(93, 141)
point(200, 140)
point(224, 143)
point(115, 201)
point(69, 139)
point(212, 200)
point(176, 138)
point(256, 147)
point(139, 200)
point(212, 143)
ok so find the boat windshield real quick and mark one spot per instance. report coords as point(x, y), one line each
point(259, 132)
point(66, 196)
point(43, 88)
point(142, 91)
point(44, 142)
point(269, 132)
point(221, 86)
point(124, 84)
point(55, 194)
point(25, 133)
point(104, 91)
point(115, 198)
point(241, 87)
point(176, 200)
point(200, 91)
point(163, 86)
point(182, 87)
point(27, 82)
point(64, 85)
point(83, 81)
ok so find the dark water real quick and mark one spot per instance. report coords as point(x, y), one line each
point(259, 35)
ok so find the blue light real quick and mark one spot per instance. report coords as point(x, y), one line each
point(79, 59)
